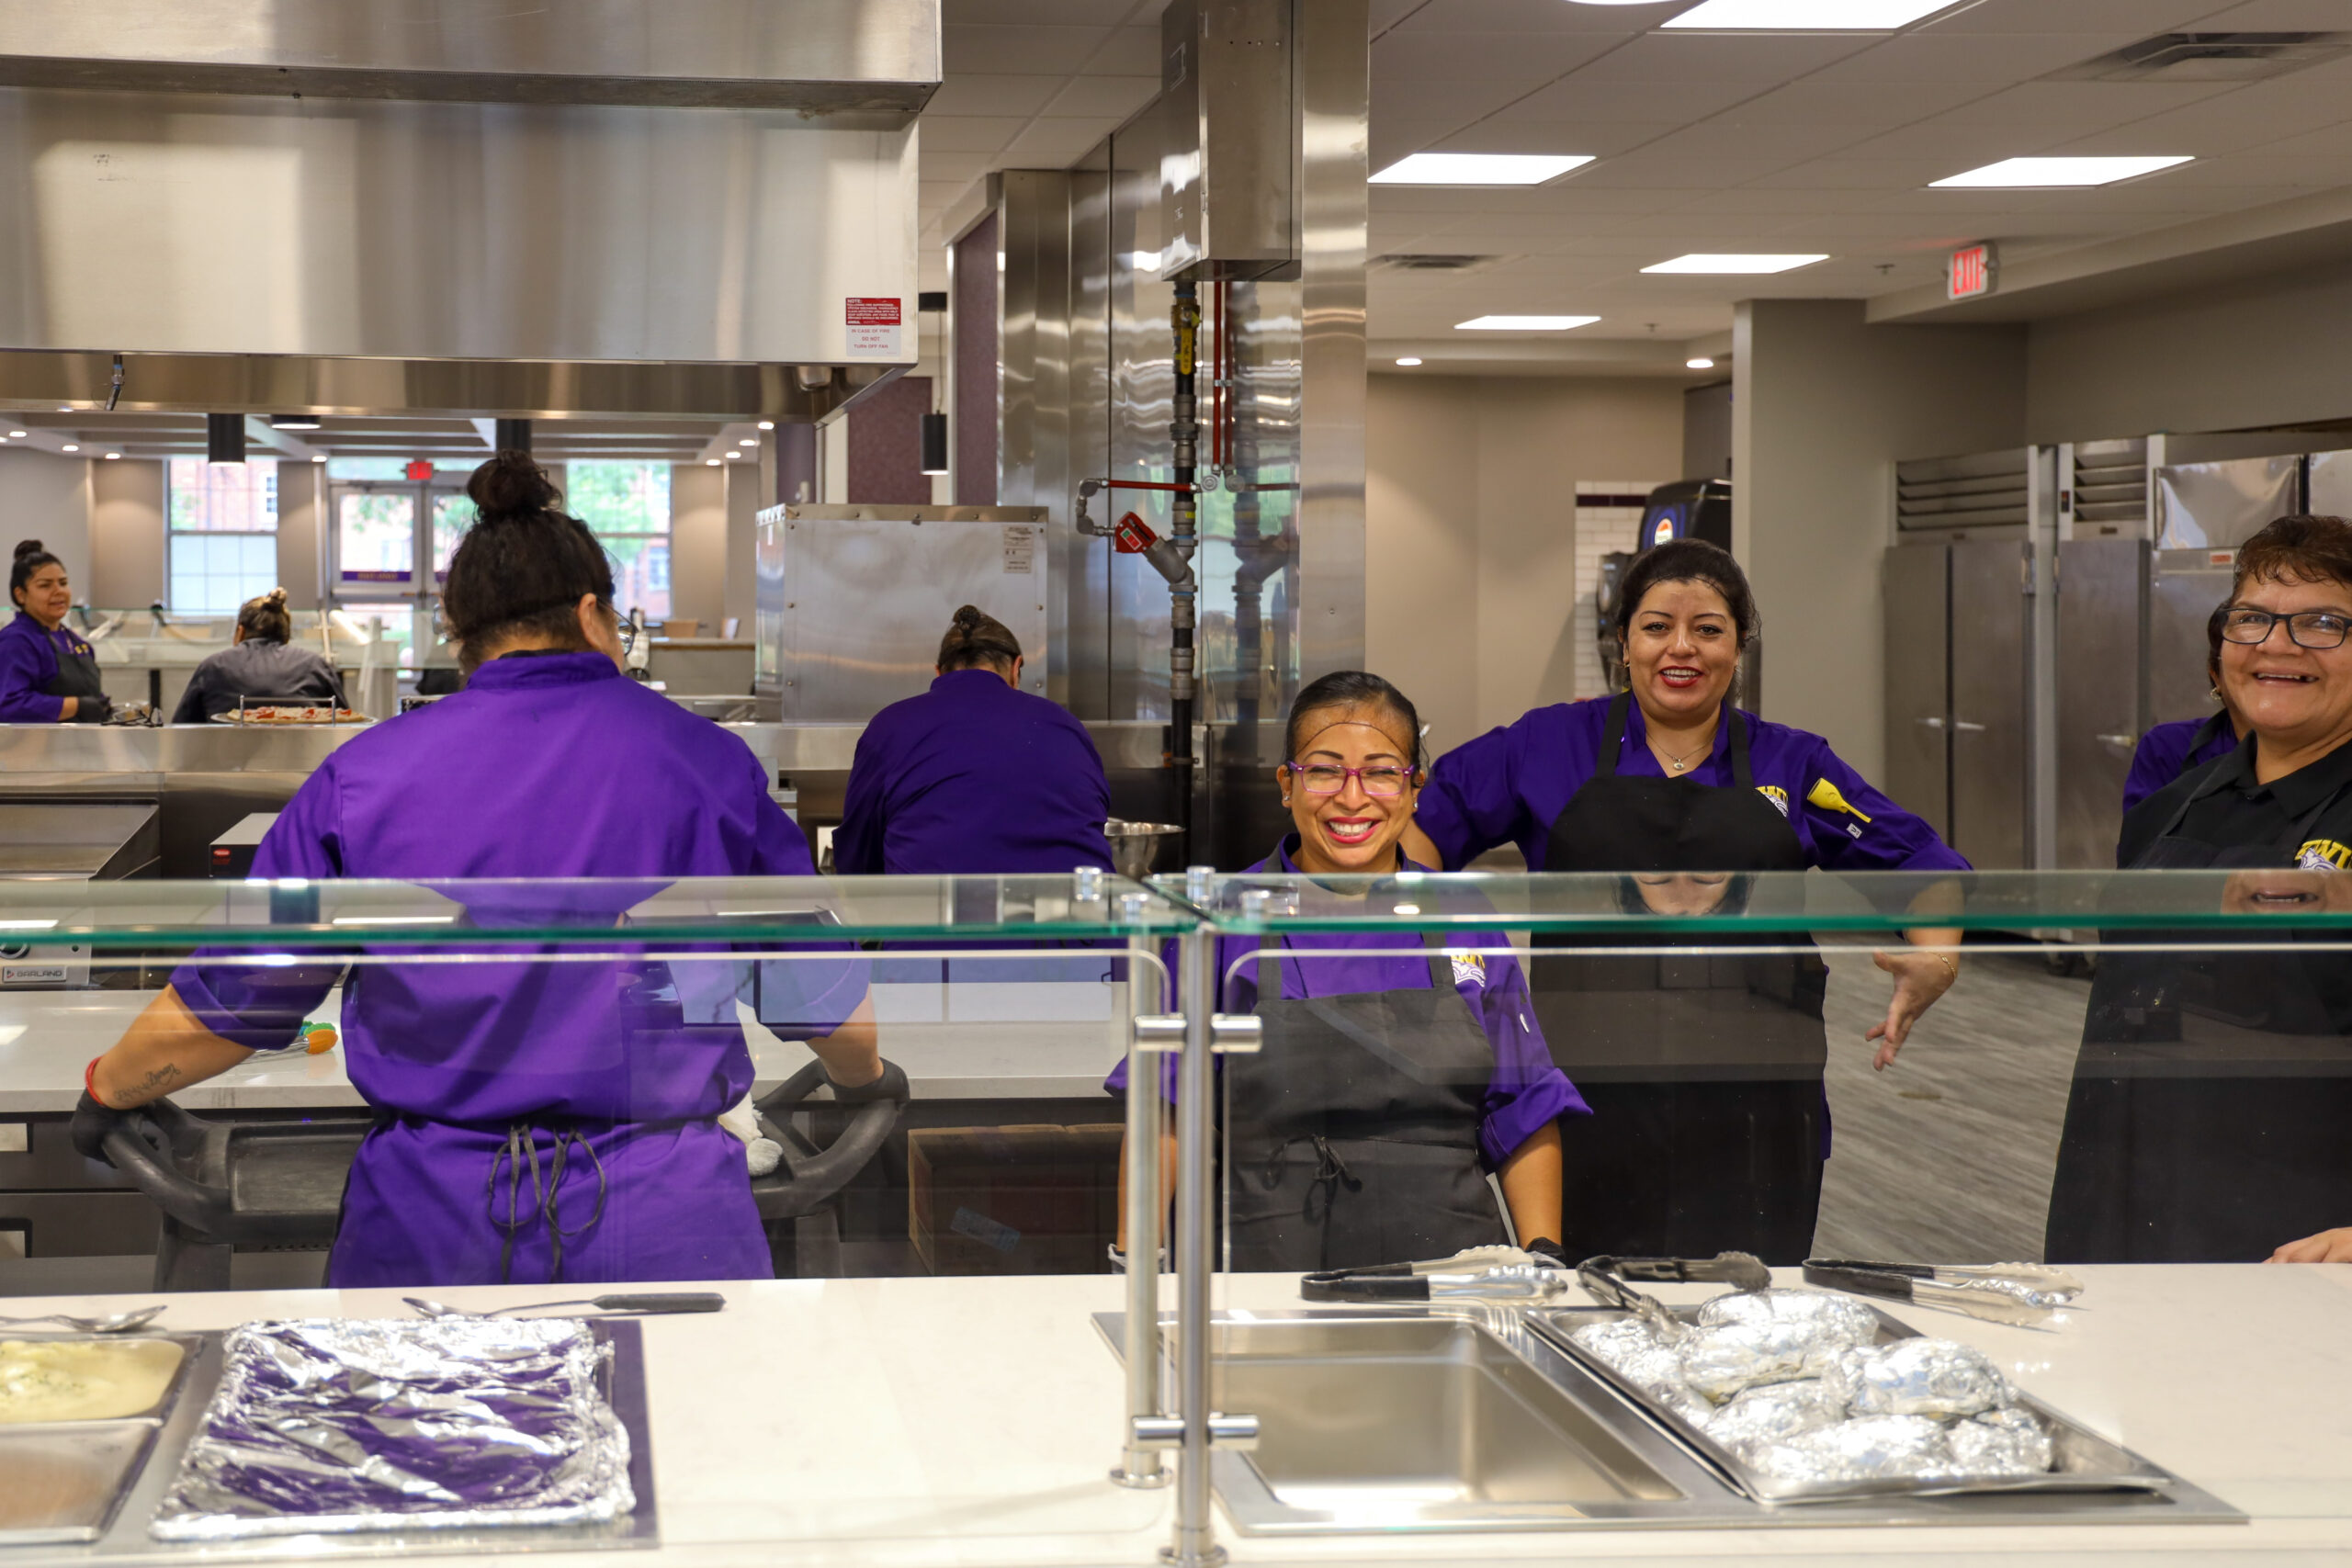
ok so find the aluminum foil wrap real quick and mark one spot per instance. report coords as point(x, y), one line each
point(329, 1425)
point(1921, 1376)
point(1721, 1360)
point(1839, 1318)
point(1875, 1448)
point(1638, 1354)
point(2000, 1443)
point(1775, 1412)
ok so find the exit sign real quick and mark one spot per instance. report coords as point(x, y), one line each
point(419, 471)
point(1971, 274)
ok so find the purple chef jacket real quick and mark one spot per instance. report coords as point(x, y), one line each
point(1527, 1091)
point(973, 778)
point(2164, 755)
point(1510, 784)
point(548, 765)
point(27, 662)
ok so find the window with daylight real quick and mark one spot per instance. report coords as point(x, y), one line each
point(628, 505)
point(222, 525)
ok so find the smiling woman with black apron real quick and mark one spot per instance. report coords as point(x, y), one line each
point(2208, 1115)
point(1703, 1071)
point(48, 675)
point(1390, 1083)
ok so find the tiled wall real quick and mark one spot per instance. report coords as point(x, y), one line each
point(1608, 518)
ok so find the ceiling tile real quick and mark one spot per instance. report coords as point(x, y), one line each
point(1817, 101)
point(1583, 97)
point(973, 133)
point(1858, 173)
point(1594, 138)
point(1937, 56)
point(1131, 51)
point(1538, 17)
point(2138, 18)
point(1528, 59)
point(1730, 135)
point(1763, 60)
point(983, 94)
point(1040, 13)
point(962, 167)
point(2276, 15)
point(1057, 140)
point(1020, 51)
point(1458, 101)
point(1115, 96)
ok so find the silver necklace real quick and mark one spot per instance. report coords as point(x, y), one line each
point(1677, 764)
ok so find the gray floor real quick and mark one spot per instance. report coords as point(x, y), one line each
point(1946, 1155)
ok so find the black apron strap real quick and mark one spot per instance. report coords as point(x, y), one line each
point(1613, 736)
point(2207, 733)
point(1741, 773)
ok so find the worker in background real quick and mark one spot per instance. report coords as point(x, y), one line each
point(2173, 747)
point(48, 674)
point(259, 665)
point(534, 1120)
point(1710, 1121)
point(2206, 1124)
point(1394, 1076)
point(975, 776)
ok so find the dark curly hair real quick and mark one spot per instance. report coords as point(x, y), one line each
point(523, 566)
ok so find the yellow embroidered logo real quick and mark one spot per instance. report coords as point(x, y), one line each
point(1777, 796)
point(1825, 794)
point(2323, 854)
point(1469, 968)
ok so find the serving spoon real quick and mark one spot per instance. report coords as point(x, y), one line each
point(660, 1301)
point(117, 1322)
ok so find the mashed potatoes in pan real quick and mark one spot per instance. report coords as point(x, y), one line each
point(83, 1380)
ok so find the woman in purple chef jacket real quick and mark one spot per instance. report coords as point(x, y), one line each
point(2170, 750)
point(1710, 1126)
point(48, 675)
point(975, 777)
point(1389, 1083)
point(533, 1120)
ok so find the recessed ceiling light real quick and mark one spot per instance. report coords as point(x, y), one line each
point(711, 462)
point(70, 447)
point(2048, 174)
point(748, 440)
point(735, 457)
point(1524, 324)
point(15, 435)
point(1702, 363)
point(1735, 264)
point(317, 456)
point(112, 456)
point(1807, 15)
point(294, 421)
point(1479, 168)
point(1409, 362)
point(65, 408)
point(767, 424)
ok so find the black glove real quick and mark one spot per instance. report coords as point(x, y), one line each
point(891, 1085)
point(92, 1123)
point(93, 710)
point(1546, 1251)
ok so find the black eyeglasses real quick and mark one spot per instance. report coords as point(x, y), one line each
point(2312, 628)
point(627, 629)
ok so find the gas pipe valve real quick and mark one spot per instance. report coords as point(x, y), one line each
point(1132, 537)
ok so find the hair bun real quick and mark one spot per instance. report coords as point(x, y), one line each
point(512, 485)
point(968, 618)
point(28, 548)
point(274, 596)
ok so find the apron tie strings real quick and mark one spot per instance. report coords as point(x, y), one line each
point(1331, 1173)
point(521, 1144)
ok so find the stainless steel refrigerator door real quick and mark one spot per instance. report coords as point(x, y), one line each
point(2220, 505)
point(2182, 595)
point(2329, 484)
point(2102, 692)
point(1919, 681)
point(1989, 674)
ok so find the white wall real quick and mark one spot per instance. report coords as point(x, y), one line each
point(48, 498)
point(1471, 548)
point(301, 532)
point(2263, 352)
point(1823, 407)
point(697, 542)
point(126, 533)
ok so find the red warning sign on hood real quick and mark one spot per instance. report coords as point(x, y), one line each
point(873, 326)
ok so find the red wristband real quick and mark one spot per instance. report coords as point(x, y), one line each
point(90, 1082)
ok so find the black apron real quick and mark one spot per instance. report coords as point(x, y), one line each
point(1704, 1070)
point(77, 673)
point(2207, 1118)
point(1352, 1136)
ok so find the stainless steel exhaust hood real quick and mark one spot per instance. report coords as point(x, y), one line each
point(661, 208)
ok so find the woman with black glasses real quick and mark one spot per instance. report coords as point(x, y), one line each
point(2208, 1117)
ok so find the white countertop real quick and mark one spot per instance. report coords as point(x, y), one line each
point(914, 1422)
point(965, 1042)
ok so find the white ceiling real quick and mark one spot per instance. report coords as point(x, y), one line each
point(1703, 142)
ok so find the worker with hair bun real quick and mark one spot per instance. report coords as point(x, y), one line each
point(49, 674)
point(261, 664)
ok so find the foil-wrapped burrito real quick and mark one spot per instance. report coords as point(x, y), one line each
point(1755, 1337)
point(1837, 1317)
point(1998, 1443)
point(1920, 1376)
point(328, 1426)
point(1875, 1448)
point(1773, 1412)
point(1636, 1352)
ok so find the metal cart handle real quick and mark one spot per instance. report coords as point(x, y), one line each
point(803, 1181)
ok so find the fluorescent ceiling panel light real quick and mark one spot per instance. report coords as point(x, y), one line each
point(113, 456)
point(15, 435)
point(1806, 16)
point(711, 462)
point(2056, 174)
point(767, 424)
point(1735, 264)
point(1524, 324)
point(1409, 362)
point(1479, 168)
point(70, 447)
point(1699, 364)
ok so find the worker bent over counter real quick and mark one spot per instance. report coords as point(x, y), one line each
point(1709, 1122)
point(534, 1120)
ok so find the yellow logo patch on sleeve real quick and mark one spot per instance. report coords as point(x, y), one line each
point(1469, 968)
point(2323, 854)
point(1825, 794)
point(1777, 796)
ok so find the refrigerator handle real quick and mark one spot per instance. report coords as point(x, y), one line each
point(1961, 727)
point(1932, 722)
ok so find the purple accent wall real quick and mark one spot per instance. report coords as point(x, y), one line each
point(974, 431)
point(886, 443)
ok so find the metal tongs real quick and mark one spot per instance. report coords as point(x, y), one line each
point(1603, 1280)
point(2023, 1294)
point(1486, 1273)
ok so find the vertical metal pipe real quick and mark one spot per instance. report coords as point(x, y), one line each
point(1194, 1546)
point(1140, 1466)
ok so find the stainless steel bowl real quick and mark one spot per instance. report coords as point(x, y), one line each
point(1135, 846)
